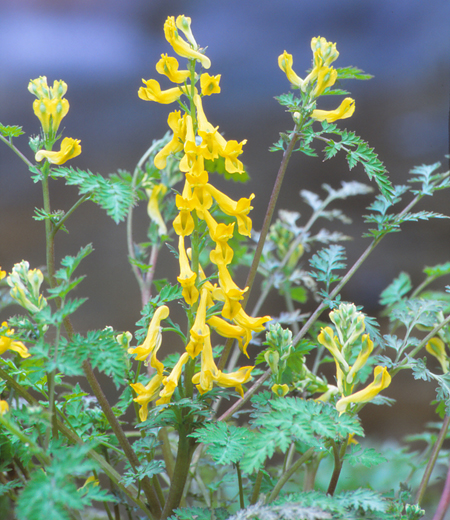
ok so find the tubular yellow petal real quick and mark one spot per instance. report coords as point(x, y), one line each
point(187, 276)
point(436, 348)
point(326, 77)
point(146, 393)
point(235, 379)
point(210, 84)
point(345, 110)
point(153, 338)
point(3, 407)
point(381, 380)
point(154, 195)
point(181, 47)
point(168, 66)
point(70, 148)
point(153, 92)
point(171, 381)
point(326, 50)
point(285, 62)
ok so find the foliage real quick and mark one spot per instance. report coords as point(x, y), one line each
point(188, 439)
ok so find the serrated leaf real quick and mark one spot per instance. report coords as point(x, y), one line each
point(11, 131)
point(398, 288)
point(367, 457)
point(227, 443)
point(115, 195)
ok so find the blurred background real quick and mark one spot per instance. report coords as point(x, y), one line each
point(103, 49)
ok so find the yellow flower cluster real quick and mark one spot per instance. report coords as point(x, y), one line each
point(199, 140)
point(350, 328)
point(50, 108)
point(321, 77)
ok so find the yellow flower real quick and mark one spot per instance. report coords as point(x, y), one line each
point(154, 194)
point(381, 380)
point(153, 339)
point(153, 92)
point(3, 407)
point(330, 342)
point(209, 371)
point(184, 24)
point(326, 77)
point(228, 330)
point(326, 50)
point(280, 390)
point(70, 148)
point(436, 348)
point(285, 63)
point(220, 233)
point(147, 393)
point(178, 126)
point(50, 108)
point(199, 330)
point(209, 84)
point(231, 293)
point(171, 381)
point(345, 110)
point(363, 356)
point(183, 223)
point(187, 276)
point(41, 90)
point(230, 153)
point(50, 113)
point(7, 343)
point(2, 274)
point(235, 379)
point(169, 66)
point(239, 209)
point(181, 47)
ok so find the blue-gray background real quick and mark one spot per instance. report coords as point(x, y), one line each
point(103, 49)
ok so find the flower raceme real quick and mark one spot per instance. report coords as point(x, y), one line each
point(198, 141)
point(350, 341)
point(321, 78)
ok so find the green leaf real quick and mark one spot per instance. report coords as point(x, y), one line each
point(326, 261)
point(115, 194)
point(437, 270)
point(11, 131)
point(147, 469)
point(367, 457)
point(352, 73)
point(227, 443)
point(395, 292)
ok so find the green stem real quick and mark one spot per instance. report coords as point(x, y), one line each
point(181, 470)
point(257, 487)
point(33, 448)
point(338, 459)
point(16, 151)
point(66, 215)
point(51, 392)
point(166, 451)
point(287, 475)
point(241, 490)
point(121, 437)
point(240, 403)
point(130, 244)
point(265, 229)
point(432, 460)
